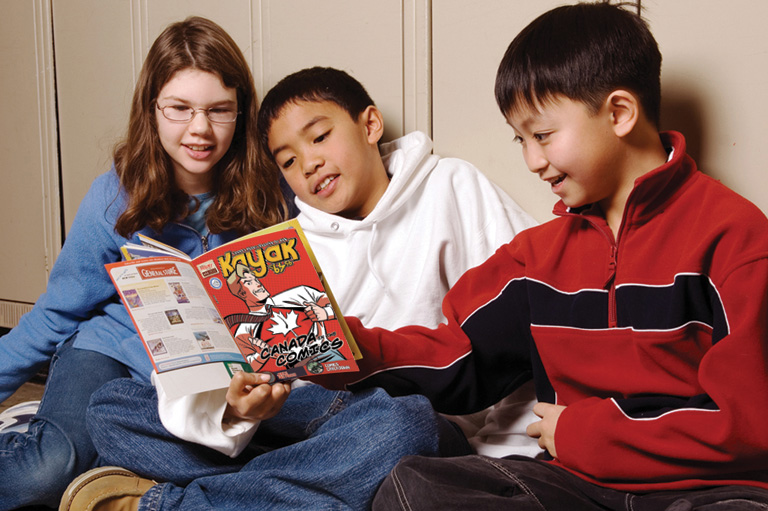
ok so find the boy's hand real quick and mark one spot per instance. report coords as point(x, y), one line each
point(544, 429)
point(251, 397)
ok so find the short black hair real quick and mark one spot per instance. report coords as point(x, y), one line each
point(583, 52)
point(314, 84)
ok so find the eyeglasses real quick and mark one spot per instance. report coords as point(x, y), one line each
point(183, 113)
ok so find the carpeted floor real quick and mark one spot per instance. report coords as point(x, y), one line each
point(28, 392)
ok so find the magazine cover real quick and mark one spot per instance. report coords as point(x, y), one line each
point(259, 303)
point(278, 308)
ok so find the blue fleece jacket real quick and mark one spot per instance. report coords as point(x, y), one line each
point(80, 298)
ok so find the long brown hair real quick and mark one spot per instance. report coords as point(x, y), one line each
point(248, 194)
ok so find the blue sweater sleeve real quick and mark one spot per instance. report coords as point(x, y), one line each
point(78, 291)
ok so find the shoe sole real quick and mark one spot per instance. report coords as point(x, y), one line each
point(87, 477)
point(17, 418)
point(26, 408)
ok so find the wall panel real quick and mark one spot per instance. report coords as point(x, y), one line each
point(29, 195)
point(468, 41)
point(714, 81)
point(94, 78)
point(364, 38)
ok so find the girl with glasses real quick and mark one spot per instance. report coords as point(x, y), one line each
point(188, 174)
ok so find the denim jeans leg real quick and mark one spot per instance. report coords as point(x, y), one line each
point(37, 465)
point(333, 450)
point(125, 426)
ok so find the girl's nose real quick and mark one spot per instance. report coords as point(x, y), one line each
point(200, 122)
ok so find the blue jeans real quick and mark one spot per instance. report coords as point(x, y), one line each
point(36, 466)
point(324, 450)
point(525, 484)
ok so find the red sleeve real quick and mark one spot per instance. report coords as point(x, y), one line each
point(461, 366)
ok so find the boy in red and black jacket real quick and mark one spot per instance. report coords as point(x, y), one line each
point(641, 311)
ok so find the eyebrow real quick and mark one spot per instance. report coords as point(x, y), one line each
point(185, 100)
point(302, 131)
point(530, 118)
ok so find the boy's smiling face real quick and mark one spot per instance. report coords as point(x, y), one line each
point(330, 160)
point(571, 148)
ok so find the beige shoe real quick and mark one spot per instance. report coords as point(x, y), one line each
point(105, 489)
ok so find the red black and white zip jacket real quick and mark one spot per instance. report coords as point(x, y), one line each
point(656, 341)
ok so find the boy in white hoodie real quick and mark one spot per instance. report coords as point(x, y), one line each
point(393, 225)
point(393, 228)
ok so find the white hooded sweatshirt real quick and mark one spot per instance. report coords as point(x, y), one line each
point(437, 218)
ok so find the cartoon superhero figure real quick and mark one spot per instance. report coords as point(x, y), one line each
point(276, 315)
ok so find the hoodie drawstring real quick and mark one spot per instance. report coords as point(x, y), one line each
point(370, 259)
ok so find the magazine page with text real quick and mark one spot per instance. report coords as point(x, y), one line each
point(179, 325)
point(259, 303)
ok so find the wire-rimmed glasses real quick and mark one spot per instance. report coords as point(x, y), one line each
point(184, 113)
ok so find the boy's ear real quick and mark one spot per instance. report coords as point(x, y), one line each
point(624, 109)
point(373, 122)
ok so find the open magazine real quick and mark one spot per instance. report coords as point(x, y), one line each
point(259, 303)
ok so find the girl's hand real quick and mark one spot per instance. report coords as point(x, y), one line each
point(251, 397)
point(544, 429)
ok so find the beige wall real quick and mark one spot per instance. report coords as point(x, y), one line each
point(714, 80)
point(430, 65)
point(29, 197)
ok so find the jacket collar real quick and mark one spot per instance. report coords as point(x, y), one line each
point(653, 189)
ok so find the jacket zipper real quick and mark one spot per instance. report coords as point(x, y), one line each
point(610, 283)
point(203, 238)
point(612, 320)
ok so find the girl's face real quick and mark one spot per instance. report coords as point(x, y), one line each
point(195, 146)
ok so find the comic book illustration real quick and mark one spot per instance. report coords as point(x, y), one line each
point(259, 303)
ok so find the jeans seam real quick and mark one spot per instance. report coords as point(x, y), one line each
point(743, 499)
point(51, 368)
point(22, 439)
point(66, 344)
point(336, 406)
point(514, 478)
point(402, 498)
point(152, 498)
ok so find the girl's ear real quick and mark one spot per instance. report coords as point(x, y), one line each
point(624, 109)
point(373, 122)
